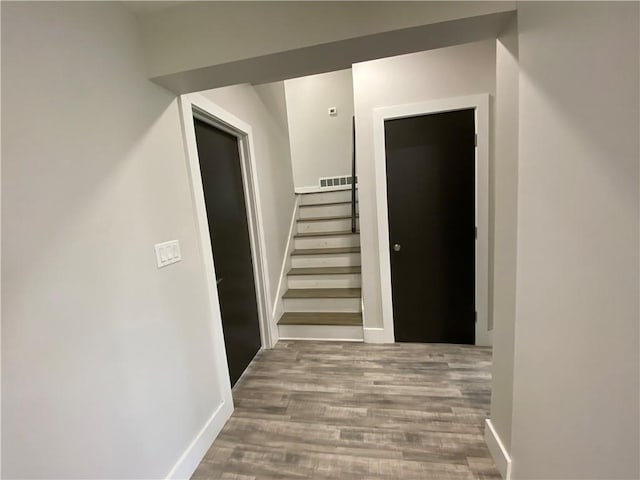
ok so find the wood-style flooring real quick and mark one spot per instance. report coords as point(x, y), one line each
point(342, 411)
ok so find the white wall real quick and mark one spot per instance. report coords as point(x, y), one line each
point(108, 368)
point(321, 145)
point(505, 205)
point(262, 107)
point(449, 72)
point(576, 372)
point(274, 99)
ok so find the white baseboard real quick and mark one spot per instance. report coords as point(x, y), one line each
point(195, 452)
point(376, 335)
point(317, 189)
point(498, 450)
point(278, 305)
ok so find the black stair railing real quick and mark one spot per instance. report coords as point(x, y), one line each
point(353, 176)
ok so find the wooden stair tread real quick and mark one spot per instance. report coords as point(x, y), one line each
point(321, 318)
point(325, 234)
point(325, 251)
point(324, 270)
point(322, 219)
point(322, 293)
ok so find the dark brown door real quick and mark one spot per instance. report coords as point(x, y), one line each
point(229, 231)
point(430, 163)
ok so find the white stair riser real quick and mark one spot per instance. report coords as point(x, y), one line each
point(320, 332)
point(317, 211)
point(333, 241)
point(351, 280)
point(325, 260)
point(326, 197)
point(326, 226)
point(322, 305)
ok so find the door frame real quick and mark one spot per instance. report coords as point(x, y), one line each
point(198, 106)
point(480, 104)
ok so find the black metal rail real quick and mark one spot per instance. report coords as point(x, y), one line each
point(353, 176)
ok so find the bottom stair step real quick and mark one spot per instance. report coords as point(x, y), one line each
point(321, 318)
point(344, 333)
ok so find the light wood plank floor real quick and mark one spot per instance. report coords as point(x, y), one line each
point(341, 411)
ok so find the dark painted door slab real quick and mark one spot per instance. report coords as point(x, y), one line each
point(229, 231)
point(430, 162)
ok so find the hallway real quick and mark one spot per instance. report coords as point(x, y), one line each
point(358, 411)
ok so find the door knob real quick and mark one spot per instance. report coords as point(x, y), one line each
point(396, 247)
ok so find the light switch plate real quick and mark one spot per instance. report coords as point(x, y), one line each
point(333, 111)
point(167, 253)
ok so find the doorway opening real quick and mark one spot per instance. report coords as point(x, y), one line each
point(225, 202)
point(348, 259)
point(430, 164)
point(402, 294)
point(224, 187)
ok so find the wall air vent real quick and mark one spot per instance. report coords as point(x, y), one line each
point(332, 182)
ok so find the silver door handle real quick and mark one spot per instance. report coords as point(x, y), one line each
point(396, 247)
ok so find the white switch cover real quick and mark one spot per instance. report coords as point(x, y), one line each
point(333, 111)
point(167, 253)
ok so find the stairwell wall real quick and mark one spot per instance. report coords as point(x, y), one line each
point(321, 144)
point(262, 107)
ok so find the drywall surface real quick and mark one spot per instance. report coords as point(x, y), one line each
point(575, 404)
point(504, 206)
point(108, 368)
point(448, 72)
point(321, 145)
point(274, 99)
point(180, 38)
point(273, 163)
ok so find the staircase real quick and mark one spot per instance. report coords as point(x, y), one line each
point(323, 300)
